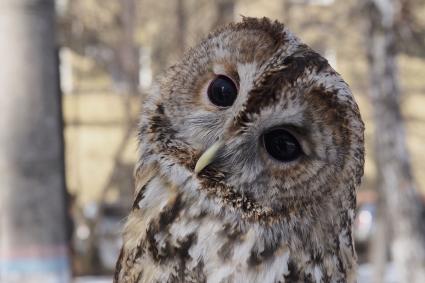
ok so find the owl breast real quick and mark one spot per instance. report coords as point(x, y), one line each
point(183, 237)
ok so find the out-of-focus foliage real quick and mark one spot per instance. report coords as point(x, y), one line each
point(91, 28)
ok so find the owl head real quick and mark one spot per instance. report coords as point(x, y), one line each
point(261, 121)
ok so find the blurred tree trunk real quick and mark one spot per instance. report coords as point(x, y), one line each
point(378, 254)
point(181, 27)
point(395, 181)
point(128, 51)
point(225, 10)
point(33, 245)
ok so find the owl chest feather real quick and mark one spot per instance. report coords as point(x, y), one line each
point(172, 236)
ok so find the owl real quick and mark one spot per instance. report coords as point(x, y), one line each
point(250, 152)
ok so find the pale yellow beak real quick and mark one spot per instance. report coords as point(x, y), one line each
point(208, 156)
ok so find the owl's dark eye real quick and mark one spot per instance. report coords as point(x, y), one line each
point(282, 145)
point(222, 91)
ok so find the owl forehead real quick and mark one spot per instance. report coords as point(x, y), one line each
point(251, 42)
point(248, 46)
point(258, 60)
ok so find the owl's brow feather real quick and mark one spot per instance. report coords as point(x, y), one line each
point(266, 90)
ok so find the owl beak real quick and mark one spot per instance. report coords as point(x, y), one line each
point(208, 156)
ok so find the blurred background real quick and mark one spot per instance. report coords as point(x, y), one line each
point(74, 73)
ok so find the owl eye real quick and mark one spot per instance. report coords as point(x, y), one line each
point(281, 145)
point(222, 91)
